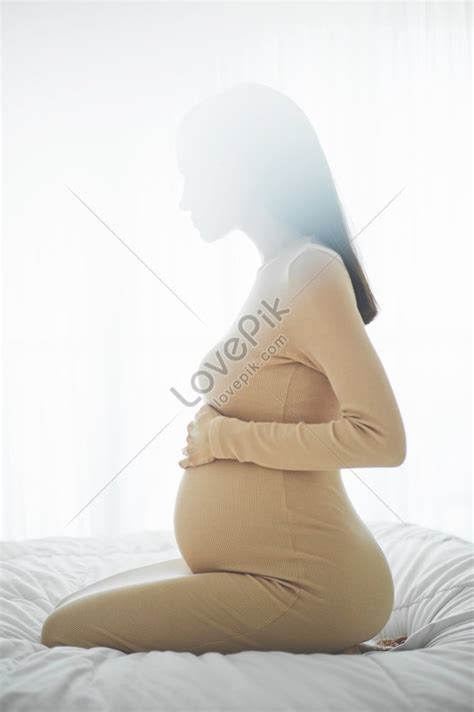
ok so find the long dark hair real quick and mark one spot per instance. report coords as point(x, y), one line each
point(253, 131)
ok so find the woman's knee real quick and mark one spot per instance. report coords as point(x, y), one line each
point(50, 631)
point(64, 627)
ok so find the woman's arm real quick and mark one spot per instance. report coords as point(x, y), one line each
point(325, 328)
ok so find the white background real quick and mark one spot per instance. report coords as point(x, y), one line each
point(93, 341)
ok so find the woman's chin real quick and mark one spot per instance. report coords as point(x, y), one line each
point(207, 235)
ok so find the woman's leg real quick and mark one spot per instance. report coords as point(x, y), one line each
point(154, 609)
point(151, 572)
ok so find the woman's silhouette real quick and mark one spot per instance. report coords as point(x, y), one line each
point(274, 555)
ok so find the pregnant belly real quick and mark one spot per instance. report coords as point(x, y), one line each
point(231, 516)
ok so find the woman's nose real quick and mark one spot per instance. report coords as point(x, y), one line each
point(184, 203)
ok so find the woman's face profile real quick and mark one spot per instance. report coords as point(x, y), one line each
point(214, 196)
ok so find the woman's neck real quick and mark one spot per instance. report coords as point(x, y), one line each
point(272, 249)
point(285, 248)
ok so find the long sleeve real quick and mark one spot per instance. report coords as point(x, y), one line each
point(327, 332)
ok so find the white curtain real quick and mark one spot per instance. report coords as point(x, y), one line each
point(110, 297)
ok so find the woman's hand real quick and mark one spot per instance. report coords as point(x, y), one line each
point(197, 450)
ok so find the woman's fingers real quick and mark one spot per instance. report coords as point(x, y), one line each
point(205, 410)
point(185, 462)
point(197, 450)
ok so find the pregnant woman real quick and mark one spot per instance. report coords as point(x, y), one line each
point(274, 555)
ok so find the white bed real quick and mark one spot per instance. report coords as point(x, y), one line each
point(431, 671)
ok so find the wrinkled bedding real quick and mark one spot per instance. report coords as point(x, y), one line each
point(432, 670)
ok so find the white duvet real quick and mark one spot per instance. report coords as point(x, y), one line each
point(432, 670)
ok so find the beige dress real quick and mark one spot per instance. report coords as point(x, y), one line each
point(274, 555)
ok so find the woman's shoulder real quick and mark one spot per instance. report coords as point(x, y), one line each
point(315, 261)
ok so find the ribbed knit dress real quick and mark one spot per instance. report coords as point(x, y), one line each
point(274, 555)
